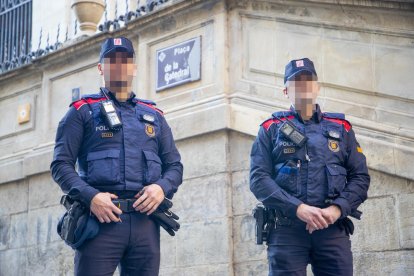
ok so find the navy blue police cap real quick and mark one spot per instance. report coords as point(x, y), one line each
point(299, 66)
point(118, 44)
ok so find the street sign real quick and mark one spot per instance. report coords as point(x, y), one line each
point(178, 64)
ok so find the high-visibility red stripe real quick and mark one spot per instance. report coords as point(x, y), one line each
point(90, 100)
point(80, 103)
point(272, 121)
point(345, 123)
point(152, 107)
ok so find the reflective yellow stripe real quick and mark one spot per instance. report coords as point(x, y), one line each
point(359, 149)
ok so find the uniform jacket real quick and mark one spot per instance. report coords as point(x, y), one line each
point(141, 152)
point(329, 169)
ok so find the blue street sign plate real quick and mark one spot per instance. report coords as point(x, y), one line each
point(178, 64)
point(76, 94)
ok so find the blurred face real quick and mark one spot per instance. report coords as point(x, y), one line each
point(303, 90)
point(118, 70)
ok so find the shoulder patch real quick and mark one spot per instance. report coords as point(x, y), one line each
point(281, 114)
point(334, 115)
point(92, 96)
point(78, 104)
point(266, 124)
point(347, 125)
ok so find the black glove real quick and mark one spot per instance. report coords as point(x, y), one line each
point(167, 220)
point(165, 205)
point(347, 225)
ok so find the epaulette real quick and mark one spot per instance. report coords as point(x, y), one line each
point(278, 117)
point(334, 115)
point(148, 103)
point(145, 101)
point(87, 99)
point(338, 118)
point(281, 114)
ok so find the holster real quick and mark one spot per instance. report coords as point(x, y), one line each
point(265, 220)
point(76, 225)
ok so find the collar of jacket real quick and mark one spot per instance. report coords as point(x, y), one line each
point(316, 117)
point(115, 100)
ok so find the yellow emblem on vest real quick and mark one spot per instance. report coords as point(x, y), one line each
point(107, 134)
point(289, 150)
point(333, 145)
point(149, 130)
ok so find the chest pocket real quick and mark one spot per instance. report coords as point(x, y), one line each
point(152, 167)
point(103, 167)
point(336, 176)
point(288, 177)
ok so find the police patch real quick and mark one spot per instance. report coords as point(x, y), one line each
point(333, 145)
point(149, 130)
point(149, 118)
point(334, 134)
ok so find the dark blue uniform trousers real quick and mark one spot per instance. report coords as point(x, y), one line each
point(292, 248)
point(133, 243)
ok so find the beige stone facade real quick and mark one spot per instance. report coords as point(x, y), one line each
point(364, 55)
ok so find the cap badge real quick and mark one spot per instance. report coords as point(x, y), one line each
point(299, 63)
point(117, 42)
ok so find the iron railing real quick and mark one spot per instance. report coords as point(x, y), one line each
point(123, 19)
point(16, 29)
point(15, 32)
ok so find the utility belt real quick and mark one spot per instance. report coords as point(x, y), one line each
point(125, 204)
point(162, 216)
point(267, 218)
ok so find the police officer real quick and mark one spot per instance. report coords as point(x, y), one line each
point(308, 169)
point(125, 153)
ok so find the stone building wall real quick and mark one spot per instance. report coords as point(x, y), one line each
point(363, 52)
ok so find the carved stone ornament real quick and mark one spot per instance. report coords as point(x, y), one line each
point(88, 13)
